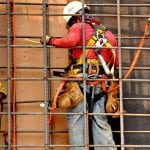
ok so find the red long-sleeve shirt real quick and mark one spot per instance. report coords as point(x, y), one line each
point(74, 38)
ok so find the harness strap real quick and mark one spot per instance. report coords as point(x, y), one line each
point(98, 29)
point(96, 82)
point(98, 39)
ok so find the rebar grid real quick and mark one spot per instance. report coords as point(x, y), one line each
point(46, 79)
point(62, 4)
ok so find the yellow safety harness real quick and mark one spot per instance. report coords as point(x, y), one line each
point(98, 40)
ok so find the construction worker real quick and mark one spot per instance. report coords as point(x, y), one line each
point(99, 130)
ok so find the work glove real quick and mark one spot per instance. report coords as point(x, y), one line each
point(47, 38)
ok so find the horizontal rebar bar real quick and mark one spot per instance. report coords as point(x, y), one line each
point(121, 5)
point(63, 4)
point(97, 15)
point(88, 47)
point(36, 146)
point(75, 79)
point(90, 114)
point(38, 37)
point(20, 101)
point(66, 131)
point(4, 146)
point(51, 68)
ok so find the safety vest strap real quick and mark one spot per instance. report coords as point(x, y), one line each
point(99, 39)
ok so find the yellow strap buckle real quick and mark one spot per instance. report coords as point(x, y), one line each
point(93, 61)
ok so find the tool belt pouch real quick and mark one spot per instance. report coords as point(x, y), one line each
point(112, 104)
point(70, 96)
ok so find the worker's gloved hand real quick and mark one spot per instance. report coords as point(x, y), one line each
point(47, 39)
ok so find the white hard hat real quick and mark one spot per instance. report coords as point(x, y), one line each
point(72, 8)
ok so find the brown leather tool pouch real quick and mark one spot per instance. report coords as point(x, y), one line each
point(113, 104)
point(70, 96)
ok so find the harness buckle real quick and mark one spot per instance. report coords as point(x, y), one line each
point(93, 68)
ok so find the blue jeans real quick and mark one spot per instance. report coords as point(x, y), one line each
point(101, 130)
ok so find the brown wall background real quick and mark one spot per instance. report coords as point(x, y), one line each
point(28, 90)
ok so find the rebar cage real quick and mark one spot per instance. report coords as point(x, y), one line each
point(26, 71)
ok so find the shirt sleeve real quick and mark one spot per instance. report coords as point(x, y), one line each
point(71, 40)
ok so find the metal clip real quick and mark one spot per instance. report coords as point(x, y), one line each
point(93, 69)
point(101, 40)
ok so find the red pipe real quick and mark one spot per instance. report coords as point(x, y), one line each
point(14, 76)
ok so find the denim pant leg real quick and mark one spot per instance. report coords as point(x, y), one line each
point(76, 126)
point(102, 134)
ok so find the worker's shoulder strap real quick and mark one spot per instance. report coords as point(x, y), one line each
point(99, 39)
point(98, 27)
point(98, 34)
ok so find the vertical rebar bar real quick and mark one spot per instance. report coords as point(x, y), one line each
point(8, 75)
point(48, 69)
point(84, 76)
point(46, 129)
point(120, 76)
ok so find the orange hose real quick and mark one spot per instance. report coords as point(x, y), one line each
point(55, 99)
point(14, 76)
point(134, 62)
point(136, 57)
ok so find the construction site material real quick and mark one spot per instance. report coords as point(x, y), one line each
point(30, 77)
